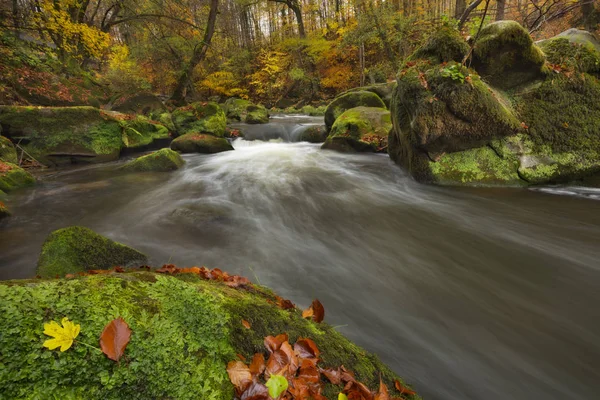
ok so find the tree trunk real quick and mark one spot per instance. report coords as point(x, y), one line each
point(295, 6)
point(500, 8)
point(467, 12)
point(460, 8)
point(587, 11)
point(200, 50)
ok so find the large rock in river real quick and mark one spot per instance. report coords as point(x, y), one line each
point(244, 111)
point(454, 126)
point(185, 331)
point(56, 135)
point(78, 249)
point(363, 129)
point(200, 143)
point(350, 100)
point(163, 160)
point(140, 131)
point(201, 117)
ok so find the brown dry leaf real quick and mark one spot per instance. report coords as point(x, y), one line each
point(334, 375)
point(289, 352)
point(307, 313)
point(306, 348)
point(241, 357)
point(246, 324)
point(383, 393)
point(239, 375)
point(277, 364)
point(403, 389)
point(256, 391)
point(273, 343)
point(168, 269)
point(114, 338)
point(284, 303)
point(257, 366)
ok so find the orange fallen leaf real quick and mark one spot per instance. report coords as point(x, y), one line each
point(257, 366)
point(239, 375)
point(273, 343)
point(403, 389)
point(114, 338)
point(246, 324)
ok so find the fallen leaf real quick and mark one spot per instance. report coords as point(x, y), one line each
point(306, 348)
point(257, 366)
point(383, 393)
point(246, 324)
point(239, 375)
point(273, 343)
point(62, 336)
point(256, 391)
point(241, 357)
point(403, 389)
point(114, 338)
point(277, 384)
point(334, 375)
point(278, 363)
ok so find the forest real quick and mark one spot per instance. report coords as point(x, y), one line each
point(299, 199)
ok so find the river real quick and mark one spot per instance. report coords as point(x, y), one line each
point(478, 293)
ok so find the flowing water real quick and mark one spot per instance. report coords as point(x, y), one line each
point(467, 293)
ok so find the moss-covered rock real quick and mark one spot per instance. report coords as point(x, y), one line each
point(13, 177)
point(184, 332)
point(313, 134)
point(444, 45)
point(200, 143)
point(348, 101)
point(581, 37)
point(140, 132)
point(55, 135)
point(143, 103)
point(166, 120)
point(363, 129)
point(8, 152)
point(163, 160)
point(505, 55)
point(201, 117)
point(78, 249)
point(581, 57)
point(383, 90)
point(256, 115)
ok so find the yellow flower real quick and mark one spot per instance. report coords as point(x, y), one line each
point(63, 336)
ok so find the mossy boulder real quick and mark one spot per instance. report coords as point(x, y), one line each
point(200, 143)
point(444, 45)
point(8, 152)
point(568, 55)
point(505, 55)
point(140, 132)
point(143, 103)
point(256, 115)
point(58, 135)
point(201, 117)
point(184, 332)
point(163, 160)
point(363, 129)
point(241, 110)
point(350, 100)
point(313, 134)
point(383, 90)
point(13, 177)
point(581, 37)
point(78, 249)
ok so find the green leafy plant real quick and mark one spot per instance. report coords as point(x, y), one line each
point(453, 72)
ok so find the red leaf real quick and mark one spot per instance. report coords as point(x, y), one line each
point(114, 338)
point(403, 389)
point(239, 375)
point(257, 366)
point(318, 311)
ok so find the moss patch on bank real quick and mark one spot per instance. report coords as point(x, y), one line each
point(185, 331)
point(13, 177)
point(163, 160)
point(78, 249)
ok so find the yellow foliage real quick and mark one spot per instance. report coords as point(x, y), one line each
point(223, 83)
point(62, 336)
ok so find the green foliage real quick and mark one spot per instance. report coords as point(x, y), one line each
point(277, 384)
point(453, 72)
point(77, 249)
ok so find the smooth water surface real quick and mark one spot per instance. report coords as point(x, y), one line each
point(467, 293)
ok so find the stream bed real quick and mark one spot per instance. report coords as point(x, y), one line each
point(477, 293)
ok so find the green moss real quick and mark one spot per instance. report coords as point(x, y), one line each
point(479, 166)
point(206, 117)
point(185, 331)
point(444, 45)
point(350, 100)
point(571, 56)
point(360, 129)
point(64, 131)
point(256, 115)
point(7, 151)
point(166, 120)
point(505, 55)
point(14, 177)
point(383, 90)
point(140, 131)
point(75, 249)
point(160, 161)
point(200, 143)
point(313, 111)
point(235, 109)
point(313, 134)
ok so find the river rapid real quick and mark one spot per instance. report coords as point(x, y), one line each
point(478, 293)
